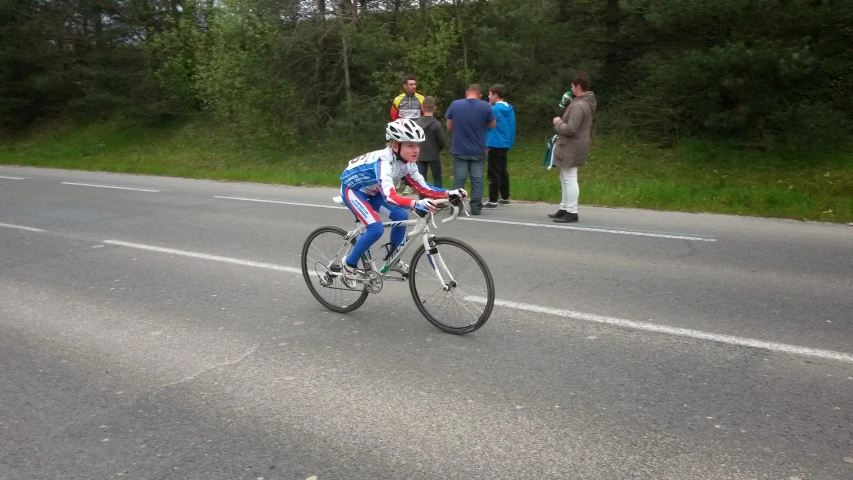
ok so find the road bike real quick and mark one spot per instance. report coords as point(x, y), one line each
point(449, 281)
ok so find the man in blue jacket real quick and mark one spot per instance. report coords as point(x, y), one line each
point(498, 142)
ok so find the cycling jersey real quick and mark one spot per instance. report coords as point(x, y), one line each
point(407, 106)
point(376, 172)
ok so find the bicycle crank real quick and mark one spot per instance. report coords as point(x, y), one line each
point(374, 282)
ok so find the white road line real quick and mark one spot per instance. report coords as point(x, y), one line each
point(300, 204)
point(204, 256)
point(12, 178)
point(111, 186)
point(29, 229)
point(586, 317)
point(674, 236)
point(675, 331)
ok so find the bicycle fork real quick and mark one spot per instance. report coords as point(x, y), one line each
point(437, 263)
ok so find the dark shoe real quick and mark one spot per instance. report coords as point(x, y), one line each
point(567, 218)
point(490, 205)
point(559, 214)
point(503, 201)
point(475, 212)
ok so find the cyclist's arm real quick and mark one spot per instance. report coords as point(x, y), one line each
point(419, 183)
point(386, 185)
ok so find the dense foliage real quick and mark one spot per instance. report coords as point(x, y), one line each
point(754, 71)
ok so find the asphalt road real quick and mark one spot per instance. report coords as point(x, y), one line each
point(635, 344)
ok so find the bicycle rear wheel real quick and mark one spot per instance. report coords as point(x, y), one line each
point(318, 262)
point(452, 287)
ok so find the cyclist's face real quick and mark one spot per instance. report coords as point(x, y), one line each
point(409, 151)
point(410, 87)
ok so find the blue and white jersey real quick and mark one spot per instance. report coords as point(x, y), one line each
point(377, 172)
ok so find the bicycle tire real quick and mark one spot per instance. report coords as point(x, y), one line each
point(337, 290)
point(458, 296)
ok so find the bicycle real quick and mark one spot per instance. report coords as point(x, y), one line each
point(467, 292)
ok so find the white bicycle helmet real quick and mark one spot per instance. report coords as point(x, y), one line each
point(404, 130)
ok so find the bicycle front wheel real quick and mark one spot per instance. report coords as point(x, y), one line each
point(452, 287)
point(318, 261)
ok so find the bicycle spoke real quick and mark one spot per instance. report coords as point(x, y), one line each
point(318, 256)
point(461, 303)
point(316, 253)
point(436, 294)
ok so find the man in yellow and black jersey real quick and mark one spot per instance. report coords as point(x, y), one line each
point(408, 104)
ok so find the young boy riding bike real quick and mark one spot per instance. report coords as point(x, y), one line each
point(367, 187)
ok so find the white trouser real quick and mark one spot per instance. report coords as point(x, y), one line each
point(571, 190)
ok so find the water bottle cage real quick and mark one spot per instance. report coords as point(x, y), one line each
point(388, 252)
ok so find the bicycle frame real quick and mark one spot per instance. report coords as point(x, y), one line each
point(421, 227)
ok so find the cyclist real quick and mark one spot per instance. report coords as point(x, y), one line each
point(367, 187)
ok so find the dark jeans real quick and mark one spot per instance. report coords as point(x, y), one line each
point(475, 164)
point(435, 166)
point(498, 174)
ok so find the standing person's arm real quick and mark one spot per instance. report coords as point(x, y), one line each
point(570, 128)
point(511, 128)
point(420, 101)
point(395, 112)
point(449, 117)
point(493, 133)
point(493, 121)
point(440, 136)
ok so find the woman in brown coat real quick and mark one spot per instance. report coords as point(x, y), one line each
point(572, 147)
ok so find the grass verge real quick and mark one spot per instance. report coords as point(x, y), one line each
point(696, 176)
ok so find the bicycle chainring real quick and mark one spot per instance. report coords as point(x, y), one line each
point(374, 285)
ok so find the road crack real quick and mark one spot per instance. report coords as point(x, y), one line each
point(203, 371)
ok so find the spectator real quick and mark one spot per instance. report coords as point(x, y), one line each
point(430, 156)
point(572, 146)
point(469, 119)
point(498, 142)
point(408, 104)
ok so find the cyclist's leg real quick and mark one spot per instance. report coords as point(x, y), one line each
point(359, 204)
point(396, 214)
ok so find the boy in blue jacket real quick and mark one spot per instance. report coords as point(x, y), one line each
point(498, 142)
